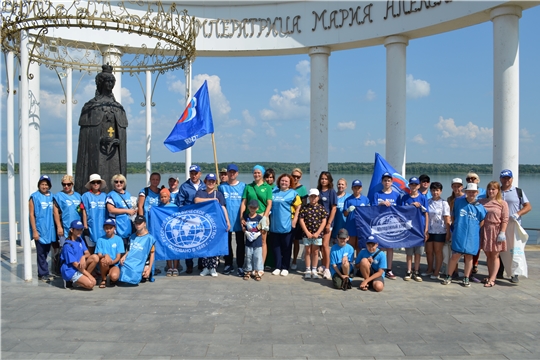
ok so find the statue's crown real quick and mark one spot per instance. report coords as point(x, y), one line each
point(107, 68)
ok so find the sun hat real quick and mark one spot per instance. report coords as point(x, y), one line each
point(313, 192)
point(471, 187)
point(457, 181)
point(95, 177)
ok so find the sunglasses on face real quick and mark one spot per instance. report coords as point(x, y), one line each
point(118, 181)
point(64, 184)
point(296, 176)
point(95, 182)
point(470, 179)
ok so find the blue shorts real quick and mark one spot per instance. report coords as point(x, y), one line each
point(76, 276)
point(316, 242)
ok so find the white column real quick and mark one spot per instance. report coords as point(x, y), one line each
point(318, 127)
point(69, 121)
point(113, 57)
point(148, 125)
point(506, 90)
point(34, 126)
point(187, 73)
point(396, 60)
point(24, 157)
point(11, 159)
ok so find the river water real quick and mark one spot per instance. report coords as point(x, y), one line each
point(137, 181)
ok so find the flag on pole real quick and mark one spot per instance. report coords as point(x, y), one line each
point(195, 122)
point(381, 166)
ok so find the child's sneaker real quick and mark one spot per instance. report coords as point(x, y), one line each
point(327, 275)
point(466, 282)
point(169, 272)
point(213, 272)
point(447, 280)
point(320, 269)
point(307, 275)
point(314, 274)
point(416, 277)
point(407, 276)
point(390, 275)
point(175, 272)
point(206, 271)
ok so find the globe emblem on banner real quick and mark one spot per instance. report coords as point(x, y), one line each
point(189, 229)
point(391, 227)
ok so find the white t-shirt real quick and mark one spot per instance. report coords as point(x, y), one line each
point(437, 210)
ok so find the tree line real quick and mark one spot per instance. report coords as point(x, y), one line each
point(280, 167)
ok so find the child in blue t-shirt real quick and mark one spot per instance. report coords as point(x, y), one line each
point(371, 262)
point(415, 198)
point(253, 261)
point(109, 249)
point(341, 260)
point(351, 203)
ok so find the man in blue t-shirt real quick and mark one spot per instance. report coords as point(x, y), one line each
point(233, 190)
point(341, 260)
point(371, 262)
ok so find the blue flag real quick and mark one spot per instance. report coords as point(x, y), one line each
point(381, 166)
point(192, 231)
point(392, 226)
point(195, 122)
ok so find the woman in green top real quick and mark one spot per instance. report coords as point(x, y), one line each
point(302, 192)
point(270, 177)
point(262, 192)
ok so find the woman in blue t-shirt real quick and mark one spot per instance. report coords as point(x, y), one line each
point(328, 199)
point(66, 209)
point(283, 219)
point(120, 207)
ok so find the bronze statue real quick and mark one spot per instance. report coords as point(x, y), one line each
point(102, 134)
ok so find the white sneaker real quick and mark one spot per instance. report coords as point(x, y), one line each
point(320, 269)
point(205, 271)
point(276, 272)
point(327, 275)
point(213, 272)
point(284, 272)
point(314, 274)
point(307, 275)
point(293, 267)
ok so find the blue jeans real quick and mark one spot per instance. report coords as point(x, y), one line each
point(253, 259)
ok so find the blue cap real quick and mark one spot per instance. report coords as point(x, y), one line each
point(414, 180)
point(386, 174)
point(372, 239)
point(507, 173)
point(356, 183)
point(232, 167)
point(77, 224)
point(194, 168)
point(111, 222)
point(45, 178)
point(210, 177)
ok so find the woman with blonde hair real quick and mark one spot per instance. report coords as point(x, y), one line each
point(67, 209)
point(296, 176)
point(492, 234)
point(120, 207)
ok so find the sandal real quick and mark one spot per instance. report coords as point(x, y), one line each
point(247, 276)
point(103, 284)
point(363, 288)
point(257, 276)
point(489, 284)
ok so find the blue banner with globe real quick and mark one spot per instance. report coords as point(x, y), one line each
point(393, 226)
point(192, 231)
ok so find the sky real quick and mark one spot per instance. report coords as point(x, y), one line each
point(260, 105)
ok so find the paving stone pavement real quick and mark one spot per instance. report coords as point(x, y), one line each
point(193, 317)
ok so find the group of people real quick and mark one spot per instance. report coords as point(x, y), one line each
point(104, 236)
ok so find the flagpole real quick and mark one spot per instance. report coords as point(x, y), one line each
point(215, 157)
point(188, 99)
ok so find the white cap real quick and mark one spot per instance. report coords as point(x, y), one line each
point(457, 181)
point(472, 187)
point(313, 192)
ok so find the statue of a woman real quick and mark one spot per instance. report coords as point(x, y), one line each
point(102, 135)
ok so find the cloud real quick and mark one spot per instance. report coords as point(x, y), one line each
point(381, 141)
point(292, 103)
point(126, 97)
point(469, 134)
point(525, 136)
point(248, 119)
point(417, 88)
point(419, 139)
point(351, 125)
point(370, 143)
point(370, 95)
point(270, 131)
